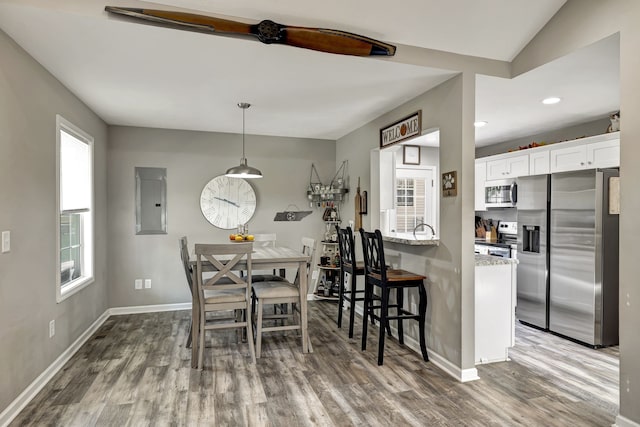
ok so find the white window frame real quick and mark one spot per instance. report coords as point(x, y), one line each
point(63, 292)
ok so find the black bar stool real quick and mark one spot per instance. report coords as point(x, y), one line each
point(348, 264)
point(377, 274)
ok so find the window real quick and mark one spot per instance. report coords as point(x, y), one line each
point(404, 192)
point(414, 199)
point(74, 169)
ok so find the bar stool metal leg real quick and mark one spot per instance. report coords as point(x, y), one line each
point(422, 310)
point(341, 298)
point(384, 323)
point(400, 311)
point(352, 308)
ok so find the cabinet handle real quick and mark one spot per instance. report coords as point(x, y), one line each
point(581, 163)
point(589, 162)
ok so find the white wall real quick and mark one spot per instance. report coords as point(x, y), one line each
point(30, 98)
point(192, 159)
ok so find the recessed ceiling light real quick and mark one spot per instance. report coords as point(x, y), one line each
point(480, 123)
point(551, 100)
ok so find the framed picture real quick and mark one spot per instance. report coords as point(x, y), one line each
point(411, 154)
point(449, 184)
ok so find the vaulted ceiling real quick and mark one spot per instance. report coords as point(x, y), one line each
point(143, 75)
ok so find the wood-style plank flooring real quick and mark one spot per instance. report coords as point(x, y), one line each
point(136, 371)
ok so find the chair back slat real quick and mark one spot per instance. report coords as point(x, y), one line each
point(224, 269)
point(373, 251)
point(264, 239)
point(184, 255)
point(309, 249)
point(217, 257)
point(346, 246)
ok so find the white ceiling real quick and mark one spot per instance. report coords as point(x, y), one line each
point(587, 81)
point(141, 75)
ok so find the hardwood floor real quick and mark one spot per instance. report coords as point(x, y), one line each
point(135, 371)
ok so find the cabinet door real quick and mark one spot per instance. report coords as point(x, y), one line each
point(496, 169)
point(568, 158)
point(481, 174)
point(509, 167)
point(539, 162)
point(605, 154)
point(518, 166)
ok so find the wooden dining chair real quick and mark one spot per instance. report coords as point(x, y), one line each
point(223, 291)
point(278, 293)
point(188, 271)
point(267, 239)
point(378, 275)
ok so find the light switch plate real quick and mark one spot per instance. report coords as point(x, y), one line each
point(147, 283)
point(6, 241)
point(138, 283)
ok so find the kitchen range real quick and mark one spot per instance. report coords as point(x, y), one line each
point(502, 244)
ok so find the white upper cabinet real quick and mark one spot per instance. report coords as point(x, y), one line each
point(509, 166)
point(605, 154)
point(539, 161)
point(481, 175)
point(602, 151)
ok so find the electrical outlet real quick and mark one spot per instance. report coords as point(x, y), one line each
point(52, 328)
point(147, 283)
point(138, 283)
point(6, 241)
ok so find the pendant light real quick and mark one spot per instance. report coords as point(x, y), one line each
point(244, 170)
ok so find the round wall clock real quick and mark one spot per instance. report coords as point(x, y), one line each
point(227, 202)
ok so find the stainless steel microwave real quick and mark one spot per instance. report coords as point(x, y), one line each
point(501, 193)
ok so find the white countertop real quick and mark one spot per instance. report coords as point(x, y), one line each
point(486, 260)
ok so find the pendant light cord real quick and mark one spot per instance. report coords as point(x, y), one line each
point(243, 110)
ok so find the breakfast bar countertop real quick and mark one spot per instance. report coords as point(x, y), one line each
point(408, 239)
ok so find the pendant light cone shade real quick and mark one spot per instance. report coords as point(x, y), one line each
point(244, 170)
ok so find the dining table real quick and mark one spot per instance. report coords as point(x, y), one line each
point(262, 258)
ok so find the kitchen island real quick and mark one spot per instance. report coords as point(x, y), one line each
point(495, 303)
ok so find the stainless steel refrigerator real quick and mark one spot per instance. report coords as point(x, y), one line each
point(533, 254)
point(583, 266)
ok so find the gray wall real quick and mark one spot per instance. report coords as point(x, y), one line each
point(450, 266)
point(577, 24)
point(595, 127)
point(192, 159)
point(30, 98)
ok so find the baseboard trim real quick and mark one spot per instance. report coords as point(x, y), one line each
point(462, 375)
point(625, 422)
point(20, 402)
point(138, 309)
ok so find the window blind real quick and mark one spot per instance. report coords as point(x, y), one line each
point(75, 174)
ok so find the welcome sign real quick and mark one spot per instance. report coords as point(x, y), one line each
point(402, 129)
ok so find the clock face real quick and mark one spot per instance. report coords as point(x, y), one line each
point(227, 202)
